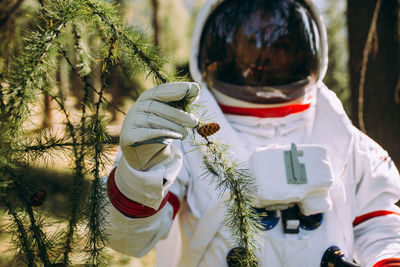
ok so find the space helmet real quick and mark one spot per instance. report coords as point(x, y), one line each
point(262, 51)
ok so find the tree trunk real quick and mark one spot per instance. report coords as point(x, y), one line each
point(47, 115)
point(155, 22)
point(381, 110)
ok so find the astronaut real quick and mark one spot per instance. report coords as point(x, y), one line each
point(258, 66)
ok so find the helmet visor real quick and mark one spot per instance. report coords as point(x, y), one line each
point(261, 51)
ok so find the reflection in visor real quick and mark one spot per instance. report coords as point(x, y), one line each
point(261, 51)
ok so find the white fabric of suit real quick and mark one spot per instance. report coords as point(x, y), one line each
point(365, 180)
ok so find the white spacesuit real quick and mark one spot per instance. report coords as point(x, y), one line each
point(321, 181)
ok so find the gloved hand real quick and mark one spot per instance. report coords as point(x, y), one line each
point(154, 120)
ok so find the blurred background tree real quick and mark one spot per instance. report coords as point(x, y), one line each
point(374, 70)
point(337, 76)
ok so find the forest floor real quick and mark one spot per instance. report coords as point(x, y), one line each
point(53, 174)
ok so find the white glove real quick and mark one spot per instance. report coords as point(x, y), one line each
point(153, 121)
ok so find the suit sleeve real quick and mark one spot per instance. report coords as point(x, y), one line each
point(143, 204)
point(377, 222)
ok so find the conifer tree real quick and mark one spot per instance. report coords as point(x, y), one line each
point(85, 139)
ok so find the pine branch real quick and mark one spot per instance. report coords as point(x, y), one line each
point(96, 213)
point(21, 234)
point(38, 235)
point(95, 209)
point(241, 218)
point(227, 175)
point(75, 197)
point(145, 59)
point(50, 38)
point(121, 32)
point(85, 80)
point(70, 126)
point(29, 72)
point(108, 61)
point(86, 90)
point(126, 75)
point(97, 236)
point(44, 147)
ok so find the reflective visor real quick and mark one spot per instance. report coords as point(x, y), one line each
point(260, 51)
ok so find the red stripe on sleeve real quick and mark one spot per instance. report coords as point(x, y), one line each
point(126, 206)
point(175, 203)
point(365, 217)
point(392, 262)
